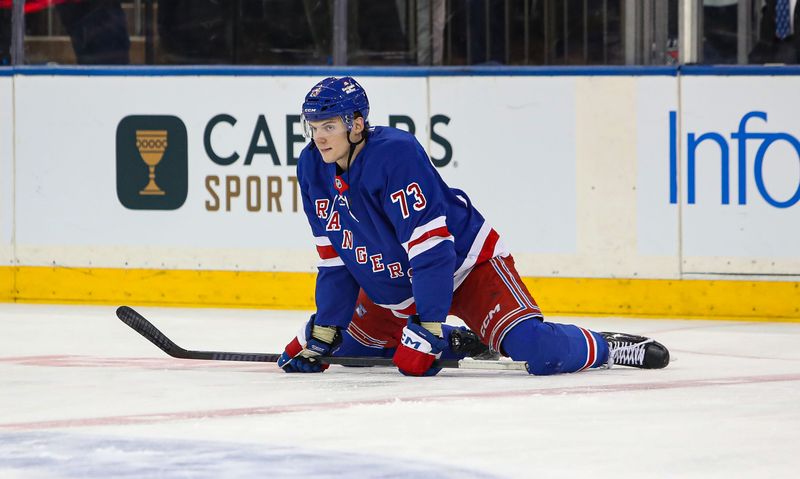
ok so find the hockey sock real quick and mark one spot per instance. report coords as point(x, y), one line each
point(552, 348)
point(351, 347)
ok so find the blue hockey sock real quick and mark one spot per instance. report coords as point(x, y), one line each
point(552, 348)
point(351, 347)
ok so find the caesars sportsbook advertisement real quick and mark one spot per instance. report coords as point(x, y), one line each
point(581, 175)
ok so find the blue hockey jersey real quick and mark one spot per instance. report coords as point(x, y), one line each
point(391, 226)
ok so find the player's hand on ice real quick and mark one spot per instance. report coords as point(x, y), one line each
point(300, 355)
point(420, 345)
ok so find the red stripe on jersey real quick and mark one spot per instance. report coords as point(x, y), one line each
point(327, 252)
point(592, 350)
point(440, 231)
point(487, 251)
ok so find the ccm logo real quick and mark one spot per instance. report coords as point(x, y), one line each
point(408, 341)
point(488, 318)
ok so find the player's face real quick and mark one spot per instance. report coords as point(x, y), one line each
point(330, 136)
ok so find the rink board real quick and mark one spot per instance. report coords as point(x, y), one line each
point(6, 184)
point(689, 298)
point(617, 194)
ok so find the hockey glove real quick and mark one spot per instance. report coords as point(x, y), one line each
point(420, 345)
point(300, 355)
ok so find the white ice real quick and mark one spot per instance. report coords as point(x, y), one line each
point(82, 395)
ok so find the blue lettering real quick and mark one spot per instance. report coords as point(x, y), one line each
point(724, 159)
point(759, 169)
point(408, 341)
point(673, 158)
point(741, 136)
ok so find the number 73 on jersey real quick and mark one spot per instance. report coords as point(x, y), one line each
point(414, 191)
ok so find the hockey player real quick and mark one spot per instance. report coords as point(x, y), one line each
point(399, 250)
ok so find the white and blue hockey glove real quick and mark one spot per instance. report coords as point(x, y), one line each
point(300, 355)
point(420, 345)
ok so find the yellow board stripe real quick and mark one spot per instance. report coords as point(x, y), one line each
point(710, 299)
point(702, 299)
point(161, 287)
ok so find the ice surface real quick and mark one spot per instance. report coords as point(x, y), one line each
point(82, 395)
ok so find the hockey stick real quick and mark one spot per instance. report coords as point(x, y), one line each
point(155, 336)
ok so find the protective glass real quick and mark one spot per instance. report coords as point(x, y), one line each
point(323, 128)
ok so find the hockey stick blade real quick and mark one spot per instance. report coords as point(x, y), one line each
point(144, 327)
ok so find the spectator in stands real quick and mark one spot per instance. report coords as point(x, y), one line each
point(98, 30)
point(778, 42)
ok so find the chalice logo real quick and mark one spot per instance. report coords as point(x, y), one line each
point(152, 162)
point(151, 145)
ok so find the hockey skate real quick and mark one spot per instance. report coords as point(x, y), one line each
point(635, 351)
point(464, 341)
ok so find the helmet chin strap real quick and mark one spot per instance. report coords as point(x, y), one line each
point(353, 147)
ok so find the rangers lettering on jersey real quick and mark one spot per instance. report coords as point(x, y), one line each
point(376, 263)
point(347, 239)
point(395, 269)
point(334, 223)
point(407, 219)
point(322, 208)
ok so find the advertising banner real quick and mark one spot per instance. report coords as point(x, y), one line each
point(567, 169)
point(166, 172)
point(6, 169)
point(735, 171)
point(657, 220)
point(584, 176)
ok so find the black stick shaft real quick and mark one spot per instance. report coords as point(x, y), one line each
point(144, 327)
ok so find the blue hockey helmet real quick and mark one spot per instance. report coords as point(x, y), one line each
point(332, 97)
